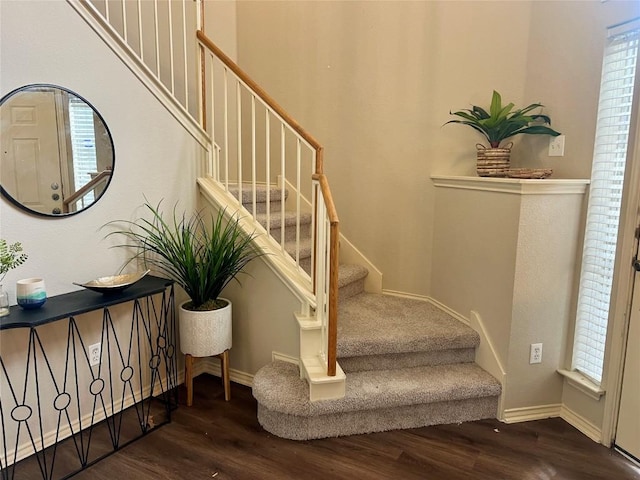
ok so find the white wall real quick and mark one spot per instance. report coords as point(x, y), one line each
point(47, 42)
point(155, 158)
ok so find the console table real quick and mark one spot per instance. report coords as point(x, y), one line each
point(60, 410)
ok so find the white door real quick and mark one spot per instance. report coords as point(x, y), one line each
point(30, 151)
point(628, 433)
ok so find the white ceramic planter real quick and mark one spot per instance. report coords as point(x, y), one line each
point(204, 334)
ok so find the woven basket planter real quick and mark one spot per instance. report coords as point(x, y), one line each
point(493, 162)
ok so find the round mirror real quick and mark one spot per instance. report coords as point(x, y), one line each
point(57, 152)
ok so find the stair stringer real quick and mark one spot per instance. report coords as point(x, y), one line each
point(311, 363)
point(296, 280)
point(486, 356)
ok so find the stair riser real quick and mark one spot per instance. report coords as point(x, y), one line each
point(275, 195)
point(378, 420)
point(406, 360)
point(351, 289)
point(305, 264)
point(261, 207)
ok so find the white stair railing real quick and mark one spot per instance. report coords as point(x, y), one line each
point(262, 145)
point(159, 33)
point(326, 271)
point(254, 147)
point(155, 40)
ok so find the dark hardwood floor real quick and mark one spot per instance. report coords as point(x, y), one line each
point(223, 440)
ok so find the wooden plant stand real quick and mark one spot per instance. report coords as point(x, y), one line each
point(224, 372)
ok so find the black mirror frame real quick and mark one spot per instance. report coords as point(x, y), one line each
point(22, 207)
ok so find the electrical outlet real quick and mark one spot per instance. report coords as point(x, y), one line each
point(94, 354)
point(556, 146)
point(535, 354)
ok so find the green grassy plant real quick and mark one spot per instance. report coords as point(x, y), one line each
point(202, 258)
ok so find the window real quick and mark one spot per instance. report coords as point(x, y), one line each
point(83, 145)
point(605, 199)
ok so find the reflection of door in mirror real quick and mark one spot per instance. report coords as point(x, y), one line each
point(31, 151)
point(56, 151)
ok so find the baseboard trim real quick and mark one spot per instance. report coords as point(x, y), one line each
point(425, 298)
point(211, 366)
point(582, 424)
point(283, 357)
point(487, 357)
point(526, 414)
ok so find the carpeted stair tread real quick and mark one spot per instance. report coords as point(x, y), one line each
point(374, 324)
point(278, 387)
point(349, 273)
point(380, 420)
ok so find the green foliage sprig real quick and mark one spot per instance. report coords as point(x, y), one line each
point(500, 123)
point(201, 258)
point(11, 256)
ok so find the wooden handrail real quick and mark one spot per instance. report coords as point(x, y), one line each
point(334, 245)
point(332, 327)
point(328, 198)
point(85, 188)
point(213, 48)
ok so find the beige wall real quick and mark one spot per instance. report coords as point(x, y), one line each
point(263, 315)
point(220, 25)
point(507, 251)
point(374, 82)
point(564, 61)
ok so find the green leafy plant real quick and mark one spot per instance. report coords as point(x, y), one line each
point(201, 258)
point(502, 122)
point(11, 256)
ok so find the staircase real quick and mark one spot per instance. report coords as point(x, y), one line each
point(402, 363)
point(407, 364)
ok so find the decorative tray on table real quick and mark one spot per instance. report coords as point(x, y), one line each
point(113, 284)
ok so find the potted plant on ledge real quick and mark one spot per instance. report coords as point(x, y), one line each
point(202, 259)
point(497, 125)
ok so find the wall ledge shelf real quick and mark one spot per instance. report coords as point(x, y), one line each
point(515, 186)
point(582, 383)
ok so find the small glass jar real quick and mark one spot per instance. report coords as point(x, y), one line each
point(4, 302)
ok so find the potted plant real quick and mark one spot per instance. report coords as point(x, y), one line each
point(201, 257)
point(499, 124)
point(11, 256)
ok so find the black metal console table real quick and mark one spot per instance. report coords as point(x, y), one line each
point(60, 410)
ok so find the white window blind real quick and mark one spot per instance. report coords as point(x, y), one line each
point(605, 198)
point(83, 145)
